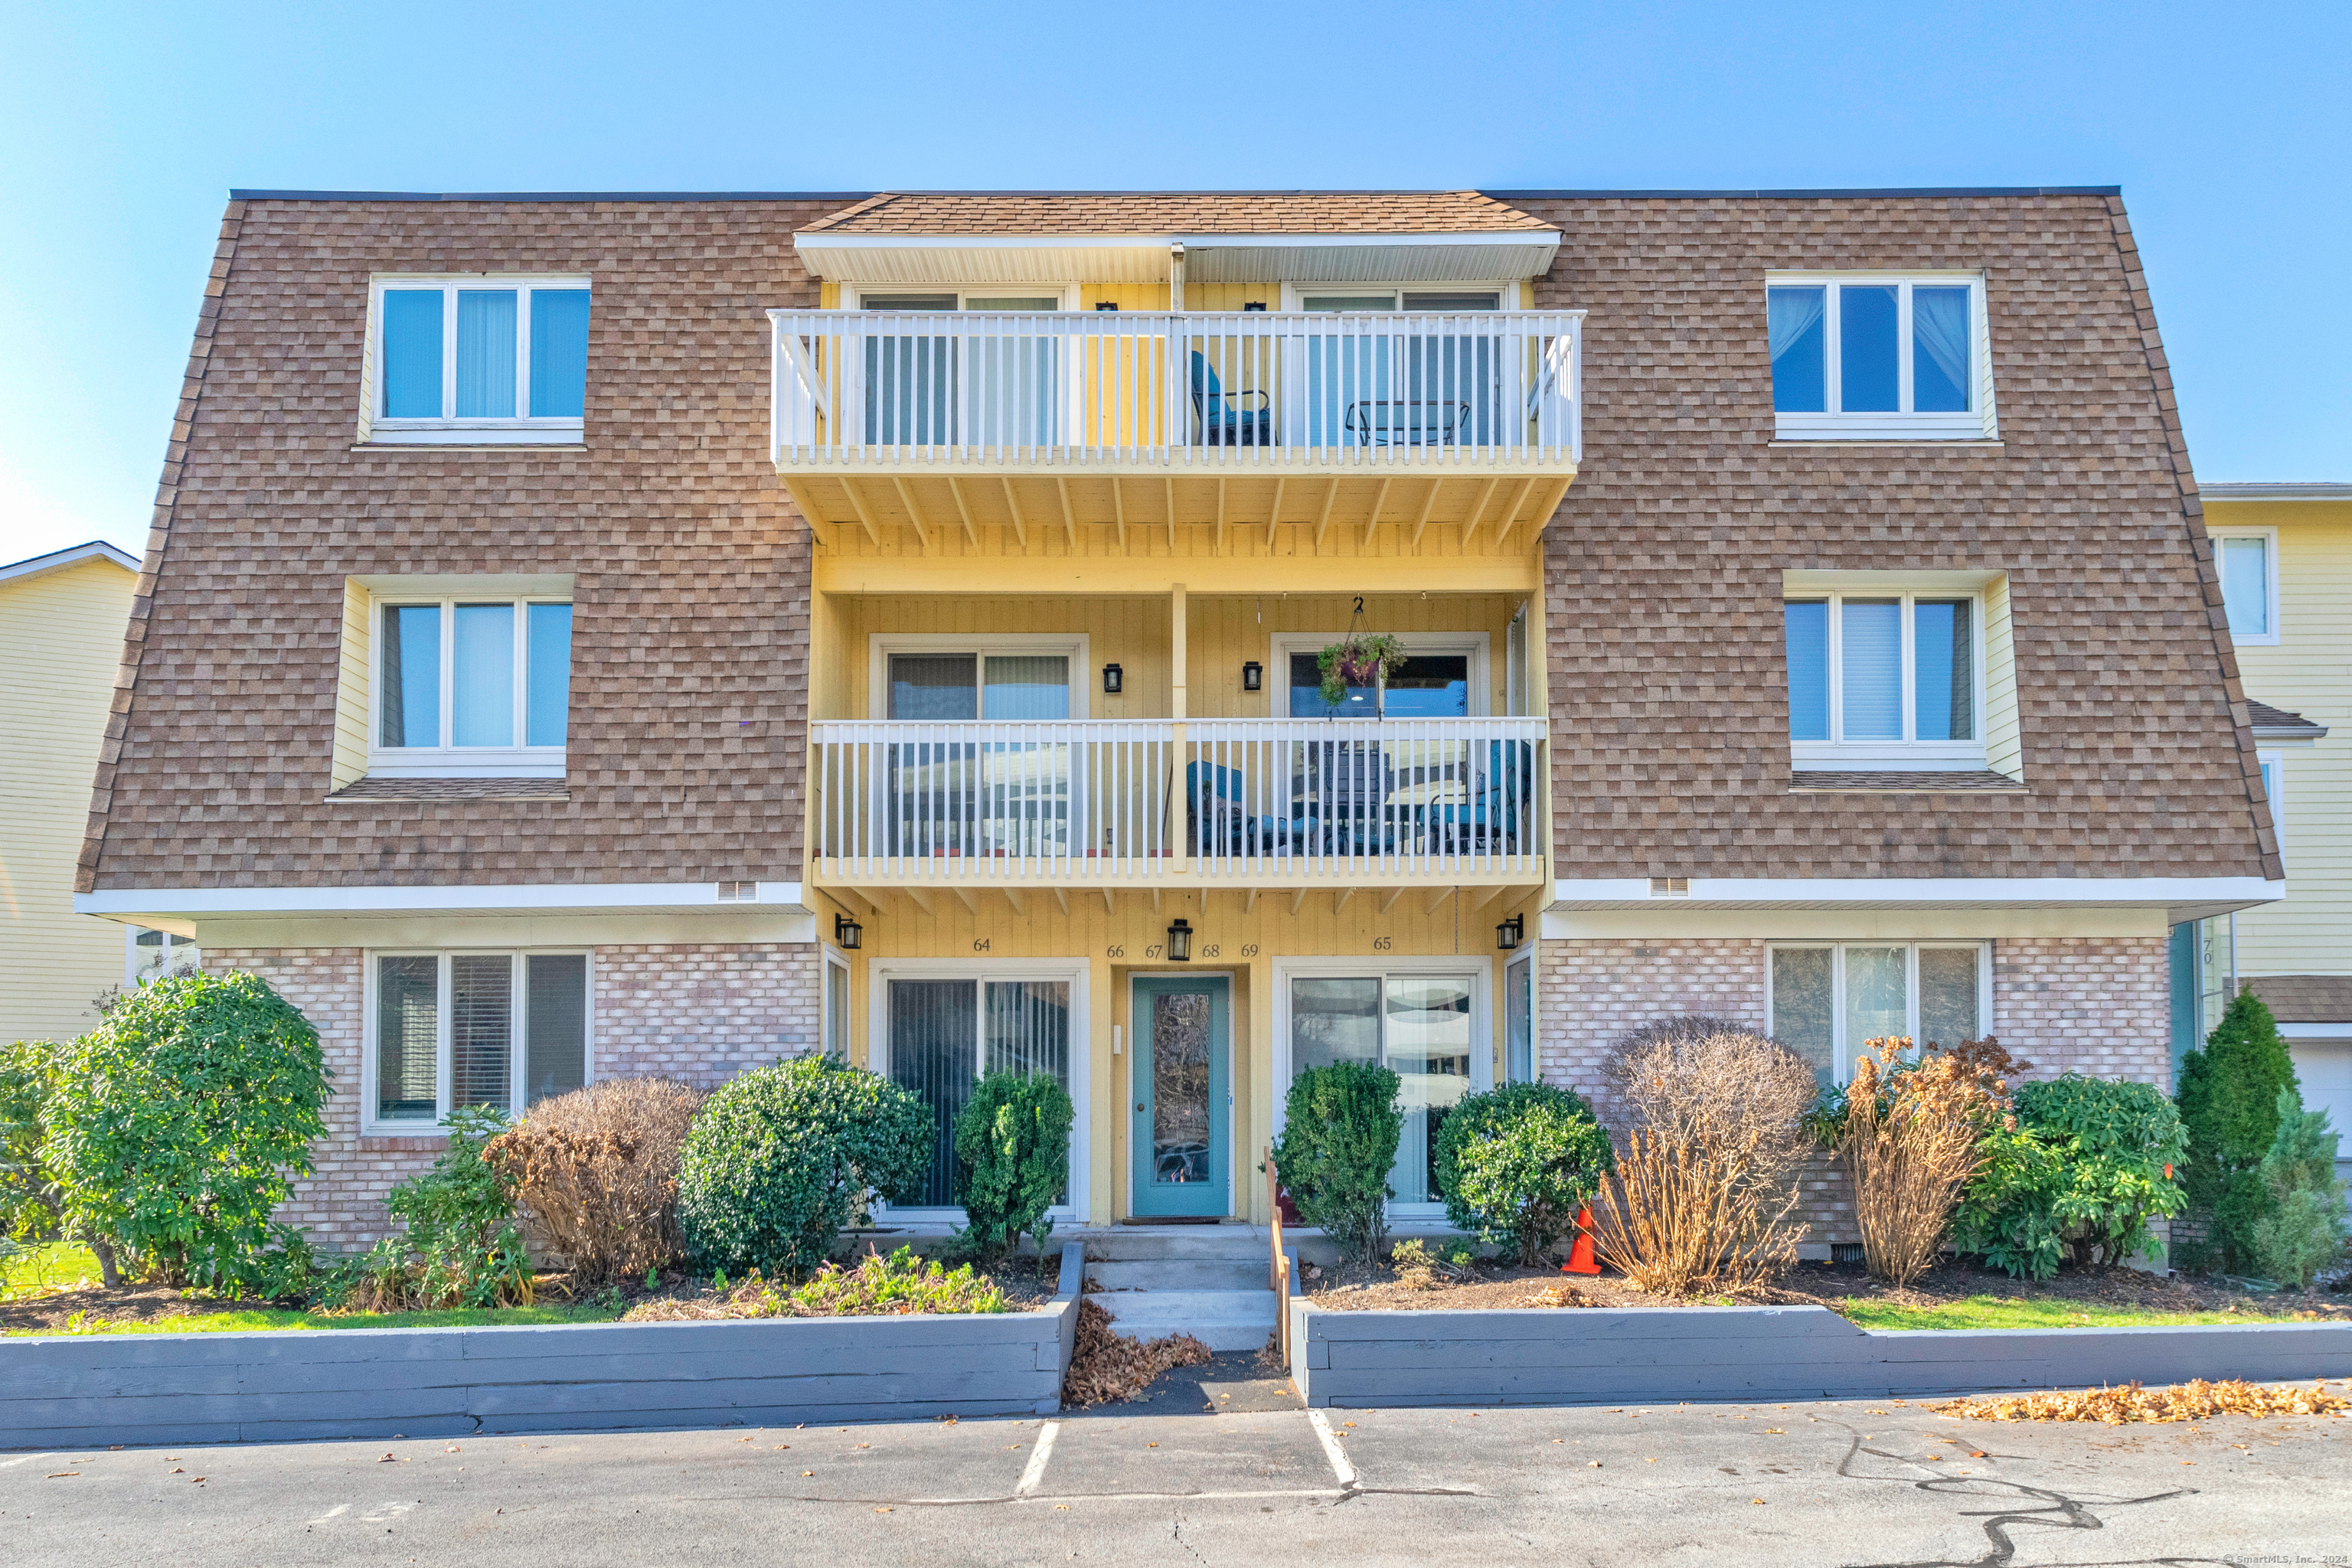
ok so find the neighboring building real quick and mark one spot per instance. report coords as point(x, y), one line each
point(61, 620)
point(620, 634)
point(2285, 558)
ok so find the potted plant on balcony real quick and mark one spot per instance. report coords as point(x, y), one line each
point(1360, 659)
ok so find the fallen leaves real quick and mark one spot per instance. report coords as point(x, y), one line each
point(1105, 1366)
point(2195, 1400)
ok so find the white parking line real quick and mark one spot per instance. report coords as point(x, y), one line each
point(1033, 1475)
point(1339, 1466)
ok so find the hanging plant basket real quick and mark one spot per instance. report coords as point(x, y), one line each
point(1358, 660)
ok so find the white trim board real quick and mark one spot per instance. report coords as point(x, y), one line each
point(1673, 921)
point(72, 555)
point(2206, 895)
point(483, 897)
point(747, 923)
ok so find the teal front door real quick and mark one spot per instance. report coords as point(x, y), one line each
point(1180, 1087)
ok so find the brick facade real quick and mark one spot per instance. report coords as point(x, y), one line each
point(703, 1013)
point(2097, 1005)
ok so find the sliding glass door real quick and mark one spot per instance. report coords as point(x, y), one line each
point(1417, 1026)
point(1006, 794)
point(944, 1033)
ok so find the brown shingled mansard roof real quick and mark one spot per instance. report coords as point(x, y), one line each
point(1177, 213)
point(2304, 998)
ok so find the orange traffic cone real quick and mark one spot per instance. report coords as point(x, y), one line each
point(1580, 1256)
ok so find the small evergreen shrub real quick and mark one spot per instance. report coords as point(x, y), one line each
point(782, 1158)
point(2304, 1231)
point(902, 1283)
point(29, 1199)
point(595, 1173)
point(2228, 1102)
point(2073, 1176)
point(1339, 1143)
point(1012, 1156)
point(460, 1243)
point(174, 1129)
point(1517, 1162)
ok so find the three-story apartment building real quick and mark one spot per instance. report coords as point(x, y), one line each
point(592, 636)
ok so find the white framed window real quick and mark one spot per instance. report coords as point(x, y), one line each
point(2247, 560)
point(1446, 675)
point(1425, 1019)
point(449, 1029)
point(477, 358)
point(1879, 356)
point(937, 1025)
point(470, 687)
point(1826, 1001)
point(1886, 680)
point(836, 1003)
point(152, 955)
point(2274, 765)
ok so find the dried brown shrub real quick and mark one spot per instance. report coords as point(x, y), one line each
point(1105, 1366)
point(596, 1174)
point(1910, 1144)
point(2196, 1400)
point(1711, 1143)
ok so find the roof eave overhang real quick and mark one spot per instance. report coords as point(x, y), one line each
point(867, 259)
point(165, 907)
point(2181, 898)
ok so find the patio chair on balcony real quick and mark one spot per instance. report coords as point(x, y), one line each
point(1217, 822)
point(1488, 818)
point(1349, 784)
point(1407, 421)
point(1222, 422)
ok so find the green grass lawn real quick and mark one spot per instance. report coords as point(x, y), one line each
point(245, 1319)
point(2012, 1313)
point(44, 1268)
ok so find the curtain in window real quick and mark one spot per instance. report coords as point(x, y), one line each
point(1877, 997)
point(934, 1040)
point(1868, 356)
point(1948, 995)
point(407, 1039)
point(482, 702)
point(1939, 357)
point(481, 1029)
point(556, 1048)
point(1871, 669)
point(1026, 686)
point(1809, 671)
point(1028, 1028)
point(547, 679)
point(1943, 658)
point(411, 675)
point(1799, 360)
point(412, 353)
point(486, 354)
point(1803, 1016)
point(559, 353)
point(2246, 584)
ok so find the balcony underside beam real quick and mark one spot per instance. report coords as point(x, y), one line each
point(1448, 513)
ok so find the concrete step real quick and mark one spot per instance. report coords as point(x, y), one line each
point(1181, 1274)
point(1222, 1319)
point(1136, 1243)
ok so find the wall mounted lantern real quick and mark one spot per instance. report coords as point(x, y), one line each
point(1253, 676)
point(1511, 932)
point(847, 933)
point(1112, 677)
point(1179, 941)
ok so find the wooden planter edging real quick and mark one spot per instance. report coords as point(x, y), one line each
point(1631, 1355)
point(78, 1390)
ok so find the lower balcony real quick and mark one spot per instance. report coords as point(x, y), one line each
point(1255, 805)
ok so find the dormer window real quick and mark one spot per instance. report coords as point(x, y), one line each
point(1879, 357)
point(482, 359)
point(1885, 680)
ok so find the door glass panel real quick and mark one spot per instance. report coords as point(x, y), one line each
point(1348, 303)
point(908, 378)
point(933, 686)
point(1026, 686)
point(1802, 1018)
point(1877, 1004)
point(408, 1037)
point(1180, 1087)
point(1519, 1021)
point(1027, 1030)
point(1948, 995)
point(1428, 685)
point(557, 1025)
point(1474, 299)
point(481, 1029)
point(934, 1048)
point(1867, 352)
point(1334, 1021)
point(1428, 1050)
point(837, 1011)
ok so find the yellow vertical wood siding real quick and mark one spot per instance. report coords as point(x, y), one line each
point(2004, 747)
point(60, 644)
point(351, 758)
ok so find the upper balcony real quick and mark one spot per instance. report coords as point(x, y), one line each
point(940, 422)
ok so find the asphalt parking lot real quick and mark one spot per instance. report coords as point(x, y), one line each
point(1221, 1467)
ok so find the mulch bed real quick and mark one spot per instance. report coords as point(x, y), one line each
point(1491, 1286)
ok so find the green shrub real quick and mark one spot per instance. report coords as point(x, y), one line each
point(173, 1129)
point(2229, 1103)
point(28, 1194)
point(461, 1243)
point(1013, 1152)
point(902, 1283)
point(1339, 1143)
point(2304, 1231)
point(782, 1157)
point(1517, 1162)
point(2073, 1176)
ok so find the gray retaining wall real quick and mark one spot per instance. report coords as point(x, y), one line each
point(75, 1391)
point(1617, 1355)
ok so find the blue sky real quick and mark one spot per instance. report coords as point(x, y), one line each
point(2227, 127)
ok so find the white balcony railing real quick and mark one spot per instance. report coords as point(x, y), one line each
point(1114, 801)
point(1498, 387)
